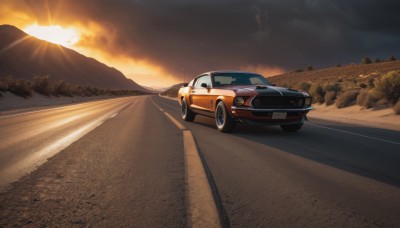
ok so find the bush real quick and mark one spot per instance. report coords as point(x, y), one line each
point(391, 58)
point(396, 108)
point(330, 97)
point(309, 68)
point(371, 83)
point(21, 88)
point(377, 60)
point(371, 99)
point(318, 93)
point(366, 60)
point(336, 87)
point(362, 85)
point(5, 83)
point(338, 65)
point(346, 99)
point(362, 97)
point(304, 86)
point(389, 86)
point(61, 88)
point(42, 85)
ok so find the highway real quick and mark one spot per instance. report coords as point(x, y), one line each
point(121, 163)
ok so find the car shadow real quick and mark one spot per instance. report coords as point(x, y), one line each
point(366, 156)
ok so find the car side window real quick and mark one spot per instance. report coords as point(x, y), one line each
point(203, 79)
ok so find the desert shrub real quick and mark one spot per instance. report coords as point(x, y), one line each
point(346, 99)
point(389, 86)
point(391, 58)
point(304, 86)
point(62, 88)
point(41, 84)
point(336, 87)
point(5, 83)
point(330, 97)
point(310, 68)
point(338, 65)
point(21, 88)
point(366, 60)
point(371, 99)
point(371, 83)
point(362, 97)
point(318, 93)
point(377, 60)
point(362, 85)
point(396, 108)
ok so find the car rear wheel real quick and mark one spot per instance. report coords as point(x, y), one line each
point(187, 114)
point(291, 127)
point(223, 120)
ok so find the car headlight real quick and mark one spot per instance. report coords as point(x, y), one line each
point(307, 101)
point(239, 101)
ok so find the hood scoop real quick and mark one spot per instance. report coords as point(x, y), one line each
point(261, 87)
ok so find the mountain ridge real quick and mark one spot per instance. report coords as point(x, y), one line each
point(24, 56)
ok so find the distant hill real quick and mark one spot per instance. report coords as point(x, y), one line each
point(355, 73)
point(172, 91)
point(24, 56)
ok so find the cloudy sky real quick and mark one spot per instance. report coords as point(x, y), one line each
point(155, 41)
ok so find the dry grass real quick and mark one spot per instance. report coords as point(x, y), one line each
point(389, 86)
point(346, 99)
point(330, 98)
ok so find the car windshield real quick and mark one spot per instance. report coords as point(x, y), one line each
point(227, 79)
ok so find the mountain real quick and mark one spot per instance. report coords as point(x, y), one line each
point(173, 90)
point(24, 56)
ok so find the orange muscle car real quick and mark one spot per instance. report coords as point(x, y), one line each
point(233, 96)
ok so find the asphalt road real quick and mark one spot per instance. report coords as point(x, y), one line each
point(130, 172)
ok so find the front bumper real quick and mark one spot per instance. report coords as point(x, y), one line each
point(252, 116)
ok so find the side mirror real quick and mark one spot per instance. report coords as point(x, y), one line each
point(204, 85)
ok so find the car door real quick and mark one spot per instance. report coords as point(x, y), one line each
point(200, 96)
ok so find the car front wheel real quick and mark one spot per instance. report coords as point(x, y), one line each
point(187, 114)
point(291, 127)
point(223, 120)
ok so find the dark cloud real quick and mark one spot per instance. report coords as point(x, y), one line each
point(202, 35)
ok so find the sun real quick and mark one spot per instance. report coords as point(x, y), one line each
point(54, 33)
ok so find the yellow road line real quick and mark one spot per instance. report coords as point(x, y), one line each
point(201, 209)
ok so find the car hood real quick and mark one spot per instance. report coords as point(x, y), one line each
point(250, 90)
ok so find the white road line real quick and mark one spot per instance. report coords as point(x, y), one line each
point(351, 133)
point(202, 210)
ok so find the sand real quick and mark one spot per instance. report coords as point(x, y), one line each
point(355, 114)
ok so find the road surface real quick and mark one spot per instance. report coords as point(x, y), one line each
point(128, 169)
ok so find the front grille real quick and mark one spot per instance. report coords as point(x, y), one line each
point(269, 114)
point(278, 102)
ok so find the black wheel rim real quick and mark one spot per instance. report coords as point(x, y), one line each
point(220, 118)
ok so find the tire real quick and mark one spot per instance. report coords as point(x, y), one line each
point(292, 127)
point(223, 120)
point(187, 114)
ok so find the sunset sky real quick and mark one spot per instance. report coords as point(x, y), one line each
point(155, 42)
